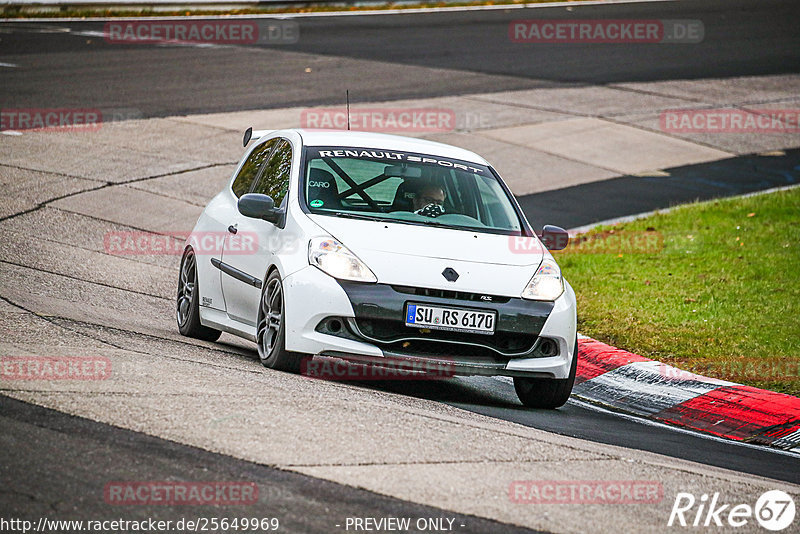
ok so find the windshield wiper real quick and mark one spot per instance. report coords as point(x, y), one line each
point(436, 223)
point(431, 222)
point(348, 215)
point(456, 227)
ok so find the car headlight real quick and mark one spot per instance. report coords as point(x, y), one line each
point(546, 284)
point(334, 259)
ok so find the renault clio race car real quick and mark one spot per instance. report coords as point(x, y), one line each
point(375, 248)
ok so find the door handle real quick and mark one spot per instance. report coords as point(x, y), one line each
point(232, 229)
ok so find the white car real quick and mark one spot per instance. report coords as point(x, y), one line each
point(373, 249)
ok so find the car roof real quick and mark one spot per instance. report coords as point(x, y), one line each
point(350, 138)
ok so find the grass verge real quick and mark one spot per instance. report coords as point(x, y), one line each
point(712, 288)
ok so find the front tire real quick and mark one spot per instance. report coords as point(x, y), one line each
point(271, 331)
point(547, 393)
point(187, 306)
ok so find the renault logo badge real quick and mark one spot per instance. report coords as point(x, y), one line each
point(450, 274)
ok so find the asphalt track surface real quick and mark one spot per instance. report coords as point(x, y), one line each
point(69, 460)
point(495, 398)
point(630, 195)
point(385, 57)
point(419, 56)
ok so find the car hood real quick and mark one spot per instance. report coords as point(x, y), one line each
point(414, 255)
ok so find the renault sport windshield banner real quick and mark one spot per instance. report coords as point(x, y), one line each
point(395, 156)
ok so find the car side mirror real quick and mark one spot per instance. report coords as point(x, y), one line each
point(554, 237)
point(259, 206)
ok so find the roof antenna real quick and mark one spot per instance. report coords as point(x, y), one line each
point(347, 99)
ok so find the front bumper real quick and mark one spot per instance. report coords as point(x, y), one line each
point(373, 330)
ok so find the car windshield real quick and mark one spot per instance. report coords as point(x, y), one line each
point(407, 188)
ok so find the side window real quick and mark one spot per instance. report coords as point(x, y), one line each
point(248, 172)
point(274, 180)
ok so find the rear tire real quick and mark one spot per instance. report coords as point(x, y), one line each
point(271, 330)
point(547, 393)
point(187, 306)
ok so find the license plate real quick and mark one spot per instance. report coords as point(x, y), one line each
point(453, 319)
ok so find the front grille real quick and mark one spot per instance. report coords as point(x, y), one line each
point(448, 294)
point(396, 332)
point(439, 350)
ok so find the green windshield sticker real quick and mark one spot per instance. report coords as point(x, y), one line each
point(316, 203)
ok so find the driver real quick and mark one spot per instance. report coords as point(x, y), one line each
point(429, 200)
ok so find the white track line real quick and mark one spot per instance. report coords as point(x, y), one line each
point(353, 13)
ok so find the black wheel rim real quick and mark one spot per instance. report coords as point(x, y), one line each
point(270, 318)
point(186, 286)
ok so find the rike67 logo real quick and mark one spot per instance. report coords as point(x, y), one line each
point(774, 510)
